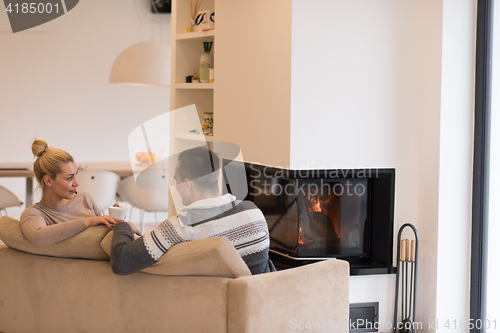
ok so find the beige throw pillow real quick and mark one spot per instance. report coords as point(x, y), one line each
point(85, 245)
point(203, 257)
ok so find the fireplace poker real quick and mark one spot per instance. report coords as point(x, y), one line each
point(405, 318)
point(411, 289)
point(406, 285)
point(408, 302)
point(412, 286)
point(403, 287)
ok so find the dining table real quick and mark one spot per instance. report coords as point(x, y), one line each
point(25, 170)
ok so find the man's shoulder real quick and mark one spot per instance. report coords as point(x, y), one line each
point(248, 208)
point(245, 206)
point(171, 221)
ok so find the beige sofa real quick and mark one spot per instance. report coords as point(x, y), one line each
point(200, 286)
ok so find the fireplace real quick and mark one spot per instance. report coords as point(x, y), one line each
point(320, 214)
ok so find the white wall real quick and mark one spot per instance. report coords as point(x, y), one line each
point(54, 83)
point(389, 83)
point(252, 95)
point(445, 162)
point(355, 102)
point(431, 21)
point(455, 160)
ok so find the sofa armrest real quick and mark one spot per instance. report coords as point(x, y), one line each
point(311, 297)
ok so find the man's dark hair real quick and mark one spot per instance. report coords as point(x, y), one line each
point(197, 164)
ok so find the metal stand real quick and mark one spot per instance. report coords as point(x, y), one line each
point(407, 270)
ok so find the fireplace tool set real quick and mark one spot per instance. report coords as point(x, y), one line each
point(407, 273)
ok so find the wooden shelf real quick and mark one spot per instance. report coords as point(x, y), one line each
point(195, 35)
point(194, 86)
point(194, 137)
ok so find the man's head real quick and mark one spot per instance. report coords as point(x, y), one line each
point(197, 175)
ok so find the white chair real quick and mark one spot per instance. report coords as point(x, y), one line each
point(149, 195)
point(101, 185)
point(7, 199)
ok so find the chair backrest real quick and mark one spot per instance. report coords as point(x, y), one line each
point(101, 185)
point(8, 199)
point(154, 198)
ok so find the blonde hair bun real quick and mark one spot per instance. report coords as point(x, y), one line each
point(38, 147)
point(49, 160)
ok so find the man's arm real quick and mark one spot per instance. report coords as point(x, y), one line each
point(128, 255)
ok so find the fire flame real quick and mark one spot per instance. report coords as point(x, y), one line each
point(301, 237)
point(330, 207)
point(315, 205)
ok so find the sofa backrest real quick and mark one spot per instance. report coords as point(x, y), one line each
point(204, 257)
point(85, 245)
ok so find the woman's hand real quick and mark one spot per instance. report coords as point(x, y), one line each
point(134, 229)
point(110, 221)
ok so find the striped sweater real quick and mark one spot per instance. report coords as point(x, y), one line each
point(240, 221)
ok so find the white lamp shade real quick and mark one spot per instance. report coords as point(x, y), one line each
point(145, 63)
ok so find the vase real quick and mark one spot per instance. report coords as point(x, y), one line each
point(208, 123)
point(206, 62)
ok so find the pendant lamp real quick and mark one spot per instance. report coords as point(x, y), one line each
point(143, 64)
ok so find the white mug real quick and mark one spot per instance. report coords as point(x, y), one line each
point(118, 212)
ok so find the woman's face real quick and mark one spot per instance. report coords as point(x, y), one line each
point(65, 183)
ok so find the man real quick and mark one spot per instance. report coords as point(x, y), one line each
point(206, 213)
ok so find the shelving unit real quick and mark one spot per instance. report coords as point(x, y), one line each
point(194, 86)
point(193, 137)
point(195, 35)
point(186, 51)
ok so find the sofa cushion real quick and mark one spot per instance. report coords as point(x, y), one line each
point(205, 257)
point(85, 245)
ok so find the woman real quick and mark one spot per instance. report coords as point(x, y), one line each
point(62, 212)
